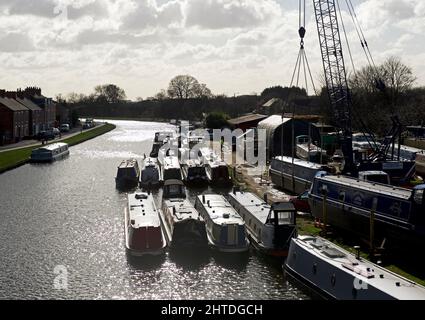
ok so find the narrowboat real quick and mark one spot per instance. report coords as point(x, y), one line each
point(334, 273)
point(308, 151)
point(398, 213)
point(170, 168)
point(282, 169)
point(269, 228)
point(225, 228)
point(50, 153)
point(150, 176)
point(156, 147)
point(143, 232)
point(194, 172)
point(216, 169)
point(128, 174)
point(183, 225)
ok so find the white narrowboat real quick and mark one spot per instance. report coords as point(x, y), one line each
point(170, 168)
point(143, 232)
point(270, 228)
point(225, 228)
point(334, 273)
point(50, 153)
point(183, 225)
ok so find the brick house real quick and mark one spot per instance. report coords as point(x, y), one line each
point(47, 104)
point(36, 115)
point(14, 121)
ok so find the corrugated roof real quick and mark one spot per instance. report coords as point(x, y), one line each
point(29, 104)
point(12, 104)
point(247, 118)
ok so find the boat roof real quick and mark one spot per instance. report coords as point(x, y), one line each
point(130, 163)
point(142, 210)
point(299, 162)
point(384, 189)
point(256, 206)
point(183, 209)
point(220, 210)
point(193, 163)
point(150, 162)
point(173, 182)
point(373, 173)
point(374, 275)
point(53, 146)
point(171, 162)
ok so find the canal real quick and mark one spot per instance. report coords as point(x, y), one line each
point(62, 236)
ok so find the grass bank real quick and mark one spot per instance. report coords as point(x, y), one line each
point(142, 119)
point(15, 158)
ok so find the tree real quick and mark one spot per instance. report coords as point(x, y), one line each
point(186, 87)
point(162, 95)
point(216, 120)
point(109, 93)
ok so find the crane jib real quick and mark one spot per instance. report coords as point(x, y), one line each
point(335, 72)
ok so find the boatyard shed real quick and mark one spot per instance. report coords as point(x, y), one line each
point(279, 134)
point(247, 121)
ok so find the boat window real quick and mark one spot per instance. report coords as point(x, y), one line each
point(174, 190)
point(342, 196)
point(284, 217)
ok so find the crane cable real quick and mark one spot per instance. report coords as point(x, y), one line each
point(351, 7)
point(346, 39)
point(302, 60)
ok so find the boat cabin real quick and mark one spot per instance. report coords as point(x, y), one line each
point(174, 189)
point(375, 176)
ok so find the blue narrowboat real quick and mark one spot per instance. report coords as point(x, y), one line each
point(398, 213)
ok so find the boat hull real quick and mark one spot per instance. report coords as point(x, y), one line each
point(327, 280)
point(50, 159)
point(284, 181)
point(182, 239)
point(126, 183)
point(141, 252)
point(357, 221)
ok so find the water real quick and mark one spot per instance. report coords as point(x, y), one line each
point(69, 214)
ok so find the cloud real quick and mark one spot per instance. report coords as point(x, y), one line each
point(16, 42)
point(219, 14)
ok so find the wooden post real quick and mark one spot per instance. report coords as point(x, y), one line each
point(325, 207)
point(372, 225)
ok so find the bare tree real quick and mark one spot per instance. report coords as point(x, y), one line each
point(109, 93)
point(186, 87)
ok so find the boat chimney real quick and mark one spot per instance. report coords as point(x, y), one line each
point(203, 198)
point(357, 248)
point(266, 198)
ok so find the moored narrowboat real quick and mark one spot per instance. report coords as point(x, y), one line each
point(333, 273)
point(270, 228)
point(50, 153)
point(143, 232)
point(183, 225)
point(225, 228)
point(293, 175)
point(398, 213)
point(128, 174)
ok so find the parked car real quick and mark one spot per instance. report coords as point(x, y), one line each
point(64, 127)
point(46, 135)
point(301, 202)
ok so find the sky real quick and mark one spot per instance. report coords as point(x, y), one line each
point(234, 46)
